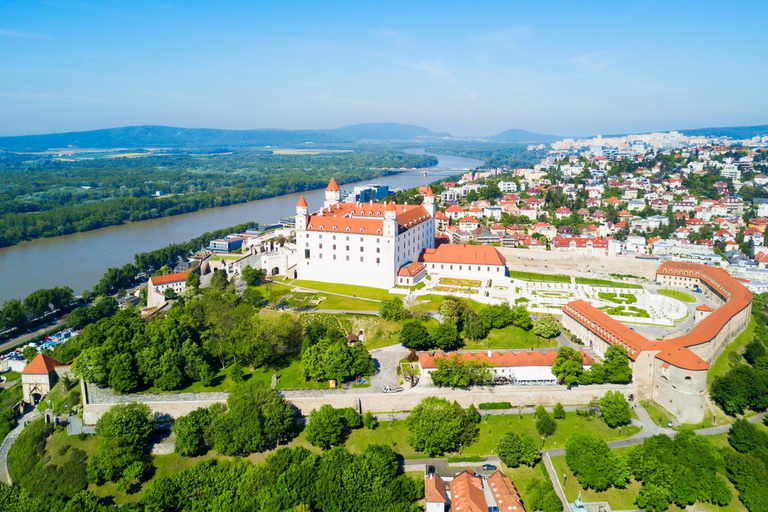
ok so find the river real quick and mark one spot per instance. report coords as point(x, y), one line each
point(79, 260)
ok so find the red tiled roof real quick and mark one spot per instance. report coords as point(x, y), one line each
point(470, 254)
point(365, 218)
point(455, 208)
point(332, 185)
point(500, 360)
point(434, 490)
point(504, 492)
point(467, 493)
point(41, 364)
point(674, 351)
point(411, 270)
point(302, 202)
point(169, 278)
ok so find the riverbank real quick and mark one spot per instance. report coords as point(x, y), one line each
point(80, 259)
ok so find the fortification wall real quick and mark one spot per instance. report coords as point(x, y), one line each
point(177, 405)
point(580, 265)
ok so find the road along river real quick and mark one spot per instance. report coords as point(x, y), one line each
point(79, 260)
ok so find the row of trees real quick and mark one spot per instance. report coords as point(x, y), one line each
point(747, 467)
point(459, 319)
point(17, 314)
point(325, 355)
point(569, 367)
point(47, 198)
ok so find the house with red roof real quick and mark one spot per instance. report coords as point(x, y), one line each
point(435, 495)
point(562, 212)
point(464, 261)
point(158, 286)
point(39, 376)
point(468, 224)
point(455, 212)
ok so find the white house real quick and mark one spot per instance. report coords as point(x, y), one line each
point(361, 243)
point(464, 261)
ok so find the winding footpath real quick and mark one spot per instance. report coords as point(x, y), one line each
point(5, 447)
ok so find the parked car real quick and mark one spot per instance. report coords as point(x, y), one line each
point(430, 470)
point(489, 467)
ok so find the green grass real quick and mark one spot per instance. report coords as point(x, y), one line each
point(618, 298)
point(523, 476)
point(11, 376)
point(619, 499)
point(677, 294)
point(656, 412)
point(347, 304)
point(721, 364)
point(380, 333)
point(603, 282)
point(345, 289)
point(508, 338)
point(534, 276)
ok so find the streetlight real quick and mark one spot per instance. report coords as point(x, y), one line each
point(565, 477)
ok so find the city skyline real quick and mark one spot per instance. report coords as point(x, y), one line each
point(552, 68)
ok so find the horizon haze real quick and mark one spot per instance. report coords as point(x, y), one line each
point(551, 68)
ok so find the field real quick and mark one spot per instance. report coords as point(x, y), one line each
point(603, 282)
point(11, 376)
point(345, 289)
point(534, 276)
point(618, 298)
point(509, 337)
point(677, 294)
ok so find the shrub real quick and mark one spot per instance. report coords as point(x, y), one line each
point(494, 405)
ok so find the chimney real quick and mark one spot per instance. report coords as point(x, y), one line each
point(489, 354)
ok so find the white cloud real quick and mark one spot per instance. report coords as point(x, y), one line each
point(508, 38)
point(23, 35)
point(397, 35)
point(592, 62)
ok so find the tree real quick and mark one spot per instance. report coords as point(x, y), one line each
point(325, 428)
point(123, 376)
point(594, 464)
point(437, 426)
point(545, 425)
point(414, 335)
point(191, 430)
point(392, 309)
point(472, 414)
point(123, 435)
point(14, 315)
point(370, 421)
point(514, 450)
point(616, 365)
point(546, 326)
point(474, 327)
point(253, 296)
point(542, 496)
point(92, 365)
point(258, 418)
point(446, 337)
point(252, 276)
point(654, 498)
point(193, 281)
point(219, 280)
point(754, 350)
point(746, 437)
point(559, 411)
point(568, 365)
point(615, 409)
point(29, 353)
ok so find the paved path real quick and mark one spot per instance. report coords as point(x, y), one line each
point(5, 447)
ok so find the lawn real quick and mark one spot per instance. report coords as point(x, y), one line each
point(464, 283)
point(534, 276)
point(602, 282)
point(677, 294)
point(618, 298)
point(657, 413)
point(11, 376)
point(380, 333)
point(721, 364)
point(347, 304)
point(508, 338)
point(345, 289)
point(522, 476)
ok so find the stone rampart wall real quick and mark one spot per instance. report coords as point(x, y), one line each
point(181, 404)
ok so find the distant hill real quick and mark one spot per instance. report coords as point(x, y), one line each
point(523, 137)
point(735, 132)
point(383, 131)
point(168, 136)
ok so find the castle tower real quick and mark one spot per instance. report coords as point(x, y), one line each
point(332, 193)
point(390, 219)
point(429, 201)
point(302, 214)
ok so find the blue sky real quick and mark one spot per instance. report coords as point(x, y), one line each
point(469, 68)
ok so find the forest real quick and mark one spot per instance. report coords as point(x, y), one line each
point(42, 196)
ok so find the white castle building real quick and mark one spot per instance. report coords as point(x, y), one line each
point(363, 244)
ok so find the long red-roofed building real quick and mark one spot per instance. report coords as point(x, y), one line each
point(674, 371)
